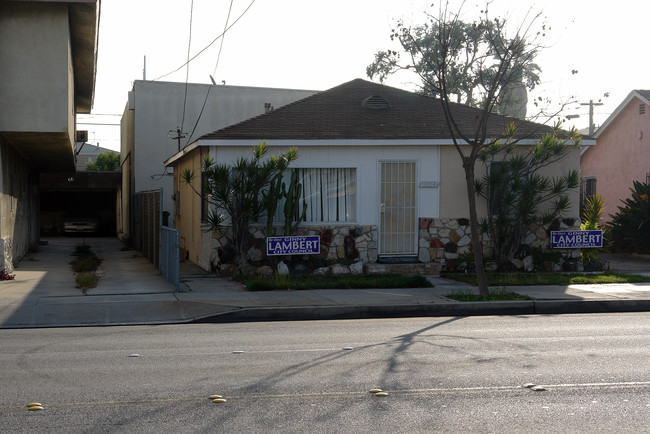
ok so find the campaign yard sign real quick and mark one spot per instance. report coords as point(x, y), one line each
point(299, 245)
point(576, 239)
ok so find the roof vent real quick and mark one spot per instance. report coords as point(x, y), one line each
point(375, 102)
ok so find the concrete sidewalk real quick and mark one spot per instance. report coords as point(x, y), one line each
point(131, 292)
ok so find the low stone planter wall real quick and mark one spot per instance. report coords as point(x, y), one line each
point(451, 238)
point(439, 241)
point(352, 243)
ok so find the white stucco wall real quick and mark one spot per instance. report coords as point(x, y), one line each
point(436, 163)
point(365, 158)
point(158, 108)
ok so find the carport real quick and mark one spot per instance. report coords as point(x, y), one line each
point(83, 194)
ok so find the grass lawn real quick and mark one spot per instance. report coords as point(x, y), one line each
point(335, 282)
point(500, 294)
point(525, 279)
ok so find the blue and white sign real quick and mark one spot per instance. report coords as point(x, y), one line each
point(301, 245)
point(576, 239)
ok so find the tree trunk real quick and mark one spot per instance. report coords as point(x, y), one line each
point(481, 279)
point(240, 235)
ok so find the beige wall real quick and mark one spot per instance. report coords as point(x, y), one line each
point(126, 164)
point(453, 188)
point(621, 155)
point(19, 206)
point(187, 216)
point(158, 108)
point(37, 87)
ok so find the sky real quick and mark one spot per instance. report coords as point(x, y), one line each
point(316, 45)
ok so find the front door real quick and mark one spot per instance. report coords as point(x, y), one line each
point(397, 208)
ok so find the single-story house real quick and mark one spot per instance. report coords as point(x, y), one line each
point(378, 170)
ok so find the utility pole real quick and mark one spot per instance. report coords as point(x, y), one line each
point(178, 137)
point(591, 105)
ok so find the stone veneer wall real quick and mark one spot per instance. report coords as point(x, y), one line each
point(337, 242)
point(439, 240)
point(449, 239)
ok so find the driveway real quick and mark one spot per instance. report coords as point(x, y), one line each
point(627, 263)
point(44, 291)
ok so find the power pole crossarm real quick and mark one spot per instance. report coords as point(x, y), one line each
point(591, 105)
point(179, 135)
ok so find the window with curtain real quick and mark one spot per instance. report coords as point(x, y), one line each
point(330, 194)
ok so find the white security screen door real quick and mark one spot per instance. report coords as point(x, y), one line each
point(397, 213)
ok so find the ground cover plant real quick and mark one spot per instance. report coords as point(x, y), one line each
point(84, 267)
point(500, 294)
point(287, 282)
point(86, 280)
point(526, 279)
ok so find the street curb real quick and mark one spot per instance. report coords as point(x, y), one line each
point(453, 309)
point(305, 313)
point(497, 308)
point(590, 306)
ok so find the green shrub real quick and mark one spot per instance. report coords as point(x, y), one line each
point(630, 227)
point(593, 208)
point(337, 282)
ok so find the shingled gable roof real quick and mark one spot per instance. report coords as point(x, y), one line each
point(339, 113)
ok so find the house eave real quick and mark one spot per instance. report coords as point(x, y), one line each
point(619, 109)
point(179, 155)
point(84, 39)
point(336, 142)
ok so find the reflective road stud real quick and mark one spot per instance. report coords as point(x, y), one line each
point(34, 406)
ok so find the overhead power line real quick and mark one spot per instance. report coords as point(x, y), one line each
point(97, 123)
point(187, 73)
point(198, 118)
point(210, 44)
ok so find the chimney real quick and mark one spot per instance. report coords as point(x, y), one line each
point(267, 107)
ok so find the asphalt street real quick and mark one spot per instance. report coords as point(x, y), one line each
point(448, 374)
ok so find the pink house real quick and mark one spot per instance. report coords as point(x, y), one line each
point(621, 154)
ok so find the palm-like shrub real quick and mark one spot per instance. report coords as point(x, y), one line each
point(239, 192)
point(630, 226)
point(519, 194)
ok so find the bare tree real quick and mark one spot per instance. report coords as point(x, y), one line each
point(473, 62)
